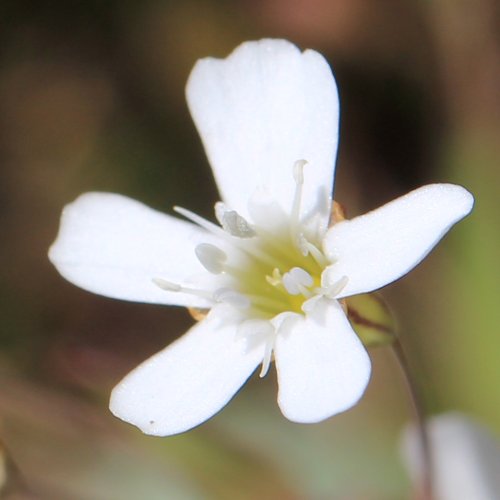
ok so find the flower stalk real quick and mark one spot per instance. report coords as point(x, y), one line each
point(426, 486)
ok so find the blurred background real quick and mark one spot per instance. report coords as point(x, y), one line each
point(92, 98)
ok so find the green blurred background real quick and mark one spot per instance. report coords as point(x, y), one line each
point(92, 98)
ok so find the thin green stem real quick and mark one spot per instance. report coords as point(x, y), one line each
point(419, 416)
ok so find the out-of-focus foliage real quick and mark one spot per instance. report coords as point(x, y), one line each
point(91, 98)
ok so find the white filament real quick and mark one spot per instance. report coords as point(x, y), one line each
point(307, 248)
point(334, 289)
point(268, 355)
point(232, 297)
point(200, 221)
point(255, 332)
point(298, 176)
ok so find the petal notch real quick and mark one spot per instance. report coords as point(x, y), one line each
point(259, 111)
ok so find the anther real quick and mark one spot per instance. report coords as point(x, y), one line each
point(296, 281)
point(275, 278)
point(232, 222)
point(211, 257)
point(225, 235)
point(168, 286)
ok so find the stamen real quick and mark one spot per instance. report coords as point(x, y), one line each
point(265, 302)
point(232, 222)
point(218, 231)
point(275, 278)
point(251, 256)
point(287, 324)
point(211, 257)
point(302, 245)
point(307, 248)
point(309, 305)
point(304, 291)
point(337, 287)
point(257, 332)
point(298, 171)
point(167, 285)
point(232, 297)
point(298, 176)
point(296, 280)
point(200, 221)
point(222, 295)
point(254, 331)
point(268, 354)
point(332, 290)
point(174, 287)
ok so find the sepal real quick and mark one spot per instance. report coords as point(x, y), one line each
point(371, 319)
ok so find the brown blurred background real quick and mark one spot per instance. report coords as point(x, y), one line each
point(92, 98)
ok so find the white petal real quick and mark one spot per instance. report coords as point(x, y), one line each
point(381, 246)
point(323, 369)
point(465, 458)
point(189, 381)
point(112, 245)
point(259, 111)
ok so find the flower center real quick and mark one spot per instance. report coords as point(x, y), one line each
point(271, 265)
point(276, 263)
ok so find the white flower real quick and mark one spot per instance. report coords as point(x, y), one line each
point(273, 272)
point(465, 458)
